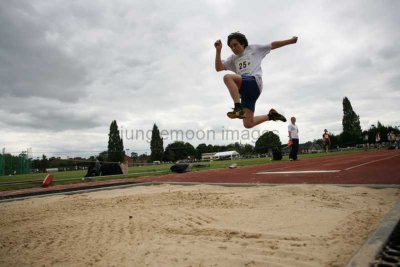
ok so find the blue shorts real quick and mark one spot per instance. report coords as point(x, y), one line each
point(249, 92)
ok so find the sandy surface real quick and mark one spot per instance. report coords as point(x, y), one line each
point(201, 225)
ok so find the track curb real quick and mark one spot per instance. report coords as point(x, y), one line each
point(368, 252)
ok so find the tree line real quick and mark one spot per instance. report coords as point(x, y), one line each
point(351, 135)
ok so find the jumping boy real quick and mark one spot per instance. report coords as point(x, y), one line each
point(245, 85)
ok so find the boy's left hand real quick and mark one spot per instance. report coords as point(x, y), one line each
point(294, 38)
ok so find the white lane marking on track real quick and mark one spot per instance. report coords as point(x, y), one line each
point(322, 161)
point(369, 162)
point(298, 172)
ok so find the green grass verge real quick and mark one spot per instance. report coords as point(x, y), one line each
point(71, 177)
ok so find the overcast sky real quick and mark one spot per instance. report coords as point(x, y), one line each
point(68, 68)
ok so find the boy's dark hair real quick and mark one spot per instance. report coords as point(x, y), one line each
point(241, 38)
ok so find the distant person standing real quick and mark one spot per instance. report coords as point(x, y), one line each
point(97, 167)
point(378, 139)
point(294, 138)
point(366, 145)
point(327, 140)
point(392, 139)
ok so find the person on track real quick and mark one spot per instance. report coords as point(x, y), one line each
point(294, 139)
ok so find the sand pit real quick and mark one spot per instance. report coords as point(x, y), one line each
point(299, 225)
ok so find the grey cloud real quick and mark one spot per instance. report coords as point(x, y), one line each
point(50, 120)
point(390, 52)
point(29, 64)
point(53, 116)
point(363, 62)
point(394, 84)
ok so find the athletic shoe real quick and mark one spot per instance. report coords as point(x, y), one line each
point(275, 116)
point(237, 113)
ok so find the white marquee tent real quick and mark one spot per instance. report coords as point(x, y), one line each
point(226, 155)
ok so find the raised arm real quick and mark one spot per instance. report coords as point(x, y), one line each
point(278, 44)
point(218, 62)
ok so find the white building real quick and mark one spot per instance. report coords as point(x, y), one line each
point(226, 155)
point(207, 156)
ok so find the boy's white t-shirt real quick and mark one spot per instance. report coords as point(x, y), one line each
point(249, 62)
point(294, 131)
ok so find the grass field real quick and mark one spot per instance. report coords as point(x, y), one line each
point(70, 177)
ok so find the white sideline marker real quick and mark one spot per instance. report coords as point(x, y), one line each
point(298, 172)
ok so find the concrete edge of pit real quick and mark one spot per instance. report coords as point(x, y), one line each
point(368, 252)
point(125, 185)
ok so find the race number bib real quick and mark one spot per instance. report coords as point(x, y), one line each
point(243, 65)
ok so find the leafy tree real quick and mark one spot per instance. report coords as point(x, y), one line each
point(203, 148)
point(134, 156)
point(235, 146)
point(103, 156)
point(116, 151)
point(219, 148)
point(240, 148)
point(178, 150)
point(247, 149)
point(190, 150)
point(268, 140)
point(335, 140)
point(44, 162)
point(169, 154)
point(143, 158)
point(351, 124)
point(383, 130)
point(156, 145)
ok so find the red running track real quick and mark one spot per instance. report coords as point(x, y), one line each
point(369, 167)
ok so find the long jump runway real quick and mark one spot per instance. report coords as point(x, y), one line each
point(370, 167)
point(378, 168)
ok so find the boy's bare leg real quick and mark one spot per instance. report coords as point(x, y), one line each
point(233, 82)
point(250, 120)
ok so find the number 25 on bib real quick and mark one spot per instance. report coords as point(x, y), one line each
point(243, 65)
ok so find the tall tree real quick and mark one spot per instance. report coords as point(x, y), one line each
point(115, 144)
point(156, 144)
point(267, 141)
point(351, 124)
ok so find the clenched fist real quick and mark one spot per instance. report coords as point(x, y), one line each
point(218, 44)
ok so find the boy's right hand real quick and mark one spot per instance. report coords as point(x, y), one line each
point(218, 44)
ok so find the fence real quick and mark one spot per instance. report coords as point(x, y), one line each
point(10, 165)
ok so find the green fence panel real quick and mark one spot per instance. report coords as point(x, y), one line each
point(14, 164)
point(2, 164)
